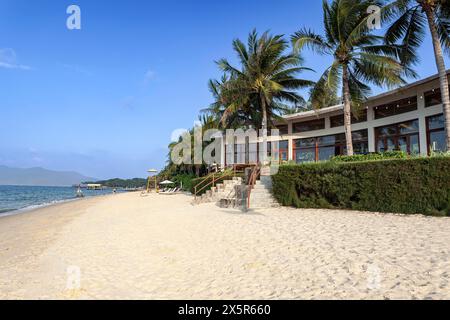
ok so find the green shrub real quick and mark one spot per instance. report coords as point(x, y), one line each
point(411, 186)
point(185, 179)
point(372, 157)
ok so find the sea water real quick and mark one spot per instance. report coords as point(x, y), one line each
point(16, 199)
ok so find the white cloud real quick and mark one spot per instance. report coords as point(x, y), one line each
point(8, 60)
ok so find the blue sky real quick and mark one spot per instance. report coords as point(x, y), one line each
point(105, 100)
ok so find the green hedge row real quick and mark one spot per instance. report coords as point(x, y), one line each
point(372, 157)
point(411, 186)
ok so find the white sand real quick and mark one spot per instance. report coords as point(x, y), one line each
point(162, 247)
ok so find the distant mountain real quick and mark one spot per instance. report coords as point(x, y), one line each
point(40, 177)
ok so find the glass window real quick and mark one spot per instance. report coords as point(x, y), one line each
point(396, 107)
point(252, 153)
point(399, 137)
point(284, 145)
point(323, 148)
point(326, 153)
point(437, 141)
point(414, 144)
point(436, 122)
point(436, 133)
point(309, 126)
point(433, 98)
point(409, 127)
point(305, 143)
point(327, 140)
point(283, 150)
point(387, 131)
point(359, 135)
point(305, 155)
point(360, 148)
point(338, 121)
point(239, 154)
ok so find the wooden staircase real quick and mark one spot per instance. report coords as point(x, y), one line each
point(235, 192)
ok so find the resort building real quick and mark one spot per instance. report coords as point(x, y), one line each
point(409, 119)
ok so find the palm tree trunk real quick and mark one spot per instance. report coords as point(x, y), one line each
point(264, 130)
point(347, 111)
point(441, 70)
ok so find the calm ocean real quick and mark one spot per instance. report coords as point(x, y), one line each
point(14, 199)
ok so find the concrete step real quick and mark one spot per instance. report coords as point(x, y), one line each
point(263, 193)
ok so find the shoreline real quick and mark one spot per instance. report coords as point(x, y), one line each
point(132, 247)
point(31, 208)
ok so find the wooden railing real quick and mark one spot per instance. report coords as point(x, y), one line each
point(233, 171)
point(216, 177)
point(252, 182)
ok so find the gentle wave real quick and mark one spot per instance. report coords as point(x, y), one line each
point(19, 199)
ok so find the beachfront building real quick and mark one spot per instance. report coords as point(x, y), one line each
point(408, 119)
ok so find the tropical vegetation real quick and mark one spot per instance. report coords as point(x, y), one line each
point(265, 84)
point(411, 20)
point(411, 186)
point(258, 89)
point(359, 57)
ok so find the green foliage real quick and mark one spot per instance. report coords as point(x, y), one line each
point(184, 179)
point(410, 186)
point(121, 183)
point(257, 90)
point(354, 47)
point(371, 157)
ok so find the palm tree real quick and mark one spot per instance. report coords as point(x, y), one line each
point(359, 57)
point(264, 82)
point(409, 27)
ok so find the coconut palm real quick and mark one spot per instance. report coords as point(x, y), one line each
point(359, 57)
point(265, 80)
point(411, 20)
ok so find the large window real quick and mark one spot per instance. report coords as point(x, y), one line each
point(242, 152)
point(324, 148)
point(282, 153)
point(433, 98)
point(338, 121)
point(396, 107)
point(436, 133)
point(309, 126)
point(399, 137)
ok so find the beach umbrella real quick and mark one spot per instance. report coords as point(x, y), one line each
point(167, 182)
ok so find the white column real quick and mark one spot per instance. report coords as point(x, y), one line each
point(371, 129)
point(291, 151)
point(422, 124)
point(327, 123)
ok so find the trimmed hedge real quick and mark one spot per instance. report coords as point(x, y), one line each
point(372, 157)
point(411, 186)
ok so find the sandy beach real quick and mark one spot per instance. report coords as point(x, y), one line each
point(161, 247)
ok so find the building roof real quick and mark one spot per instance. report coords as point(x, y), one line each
point(340, 107)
